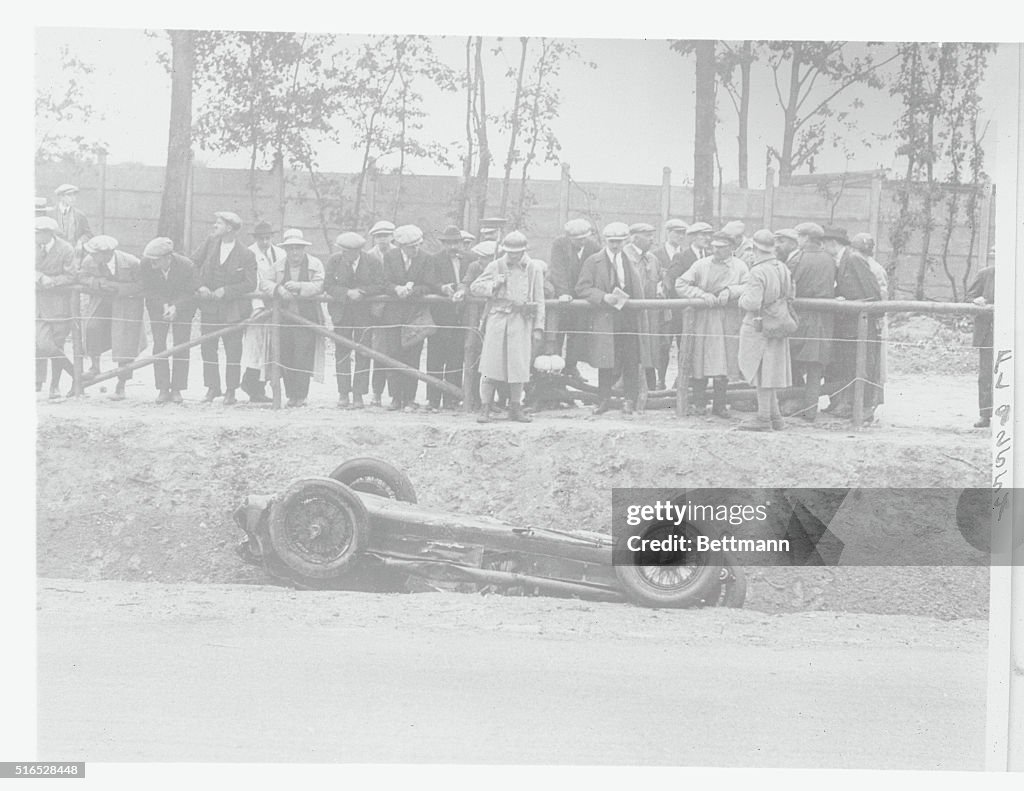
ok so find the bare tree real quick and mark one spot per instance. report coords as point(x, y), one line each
point(513, 121)
point(179, 138)
point(704, 132)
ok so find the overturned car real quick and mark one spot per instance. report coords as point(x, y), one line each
point(361, 526)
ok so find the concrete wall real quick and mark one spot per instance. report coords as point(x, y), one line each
point(124, 201)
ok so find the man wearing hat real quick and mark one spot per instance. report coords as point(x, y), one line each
point(408, 273)
point(472, 312)
point(446, 346)
point(764, 361)
point(514, 322)
point(381, 238)
point(814, 277)
point(468, 240)
point(568, 252)
point(302, 350)
point(618, 342)
point(73, 224)
point(698, 239)
point(982, 291)
point(227, 272)
point(490, 228)
point(854, 281)
point(352, 277)
point(169, 283)
point(718, 280)
point(743, 247)
point(114, 306)
point(256, 341)
point(638, 251)
point(55, 267)
point(787, 246)
point(675, 243)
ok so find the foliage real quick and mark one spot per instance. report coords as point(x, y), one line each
point(62, 108)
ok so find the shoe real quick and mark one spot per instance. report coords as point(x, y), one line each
point(118, 391)
point(299, 402)
point(290, 403)
point(395, 405)
point(357, 402)
point(432, 408)
point(260, 398)
point(755, 424)
point(375, 401)
point(516, 415)
point(627, 407)
point(211, 393)
point(720, 411)
point(229, 399)
point(778, 424)
point(983, 422)
point(93, 371)
point(163, 396)
point(409, 408)
point(54, 393)
point(603, 407)
point(485, 415)
point(343, 402)
point(176, 397)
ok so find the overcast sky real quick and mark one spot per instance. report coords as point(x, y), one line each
point(622, 121)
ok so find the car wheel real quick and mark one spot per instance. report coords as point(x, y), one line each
point(317, 528)
point(375, 476)
point(672, 578)
point(974, 518)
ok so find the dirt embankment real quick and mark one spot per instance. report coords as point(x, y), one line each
point(145, 493)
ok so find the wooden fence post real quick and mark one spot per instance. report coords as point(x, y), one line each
point(875, 207)
point(189, 203)
point(666, 200)
point(986, 221)
point(861, 370)
point(563, 196)
point(769, 197)
point(275, 353)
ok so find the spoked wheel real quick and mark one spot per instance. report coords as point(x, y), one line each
point(317, 528)
point(375, 476)
point(678, 577)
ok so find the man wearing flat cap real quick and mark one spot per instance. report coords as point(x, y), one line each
point(381, 241)
point(114, 306)
point(982, 291)
point(256, 341)
point(55, 268)
point(169, 282)
point(568, 252)
point(73, 224)
point(639, 252)
point(618, 340)
point(698, 243)
point(352, 277)
point(408, 273)
point(302, 349)
point(666, 322)
point(854, 282)
point(446, 347)
point(227, 272)
point(814, 277)
point(718, 280)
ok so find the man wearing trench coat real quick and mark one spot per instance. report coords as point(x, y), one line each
point(618, 341)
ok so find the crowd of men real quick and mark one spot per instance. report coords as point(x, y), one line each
point(743, 331)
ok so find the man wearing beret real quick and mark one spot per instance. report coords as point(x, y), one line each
point(667, 323)
point(352, 277)
point(638, 251)
point(73, 224)
point(227, 272)
point(446, 347)
point(618, 342)
point(55, 267)
point(113, 311)
point(568, 252)
point(169, 283)
point(408, 272)
point(814, 277)
point(256, 341)
point(854, 281)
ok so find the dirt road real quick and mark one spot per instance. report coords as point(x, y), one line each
point(150, 672)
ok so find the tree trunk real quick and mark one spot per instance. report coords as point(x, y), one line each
point(514, 130)
point(484, 161)
point(744, 111)
point(789, 129)
point(704, 133)
point(179, 138)
point(462, 217)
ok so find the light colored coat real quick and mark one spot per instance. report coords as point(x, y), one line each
point(715, 329)
point(508, 328)
point(114, 319)
point(314, 311)
point(256, 341)
point(764, 362)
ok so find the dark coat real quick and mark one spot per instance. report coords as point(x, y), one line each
point(814, 277)
point(854, 278)
point(368, 277)
point(679, 265)
point(564, 267)
point(74, 226)
point(597, 278)
point(443, 274)
point(178, 288)
point(237, 276)
point(984, 285)
point(58, 264)
point(114, 318)
point(420, 274)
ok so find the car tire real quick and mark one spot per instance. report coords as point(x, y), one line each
point(317, 528)
point(375, 476)
point(663, 585)
point(974, 518)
